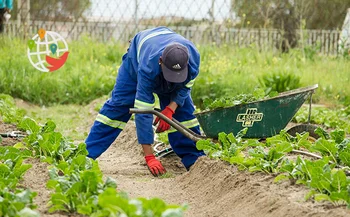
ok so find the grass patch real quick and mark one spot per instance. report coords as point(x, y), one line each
point(89, 73)
point(91, 70)
point(227, 71)
point(74, 121)
point(166, 175)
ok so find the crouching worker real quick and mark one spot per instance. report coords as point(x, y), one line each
point(157, 61)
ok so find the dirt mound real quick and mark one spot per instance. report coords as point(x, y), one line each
point(127, 141)
point(35, 179)
point(210, 188)
point(96, 104)
point(127, 156)
point(218, 189)
point(124, 156)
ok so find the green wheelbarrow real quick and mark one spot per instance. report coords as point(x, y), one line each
point(263, 118)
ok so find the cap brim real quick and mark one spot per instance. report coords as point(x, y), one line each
point(175, 76)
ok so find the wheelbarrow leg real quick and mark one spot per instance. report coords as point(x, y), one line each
point(309, 118)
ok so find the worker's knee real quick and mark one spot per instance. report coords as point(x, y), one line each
point(189, 159)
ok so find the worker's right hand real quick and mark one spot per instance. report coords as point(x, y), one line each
point(154, 165)
point(163, 126)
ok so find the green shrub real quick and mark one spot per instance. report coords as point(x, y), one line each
point(280, 82)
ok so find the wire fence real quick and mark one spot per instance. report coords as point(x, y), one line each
point(202, 21)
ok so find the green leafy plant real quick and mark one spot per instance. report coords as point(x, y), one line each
point(110, 203)
point(330, 118)
point(14, 201)
point(311, 51)
point(321, 176)
point(223, 102)
point(75, 190)
point(11, 166)
point(49, 145)
point(280, 82)
point(8, 110)
point(16, 204)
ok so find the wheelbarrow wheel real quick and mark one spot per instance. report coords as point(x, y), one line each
point(301, 128)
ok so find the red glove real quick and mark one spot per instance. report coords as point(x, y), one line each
point(154, 165)
point(163, 126)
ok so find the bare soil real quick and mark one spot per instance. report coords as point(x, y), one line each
point(210, 188)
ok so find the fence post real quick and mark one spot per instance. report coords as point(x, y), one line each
point(344, 42)
point(23, 16)
point(135, 16)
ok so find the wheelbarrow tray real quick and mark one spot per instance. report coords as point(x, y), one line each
point(263, 118)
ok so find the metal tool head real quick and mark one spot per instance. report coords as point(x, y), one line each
point(13, 134)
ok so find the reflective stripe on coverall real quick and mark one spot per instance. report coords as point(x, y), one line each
point(140, 76)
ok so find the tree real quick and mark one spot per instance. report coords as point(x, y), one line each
point(289, 15)
point(55, 10)
point(285, 18)
point(257, 12)
point(279, 14)
point(325, 14)
point(318, 14)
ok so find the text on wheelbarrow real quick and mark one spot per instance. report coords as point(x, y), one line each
point(249, 117)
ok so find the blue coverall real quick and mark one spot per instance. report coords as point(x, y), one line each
point(6, 3)
point(140, 76)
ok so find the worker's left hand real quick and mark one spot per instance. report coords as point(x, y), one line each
point(154, 165)
point(163, 126)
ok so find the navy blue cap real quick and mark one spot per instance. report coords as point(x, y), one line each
point(175, 63)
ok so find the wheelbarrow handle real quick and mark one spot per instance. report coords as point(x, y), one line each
point(174, 123)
